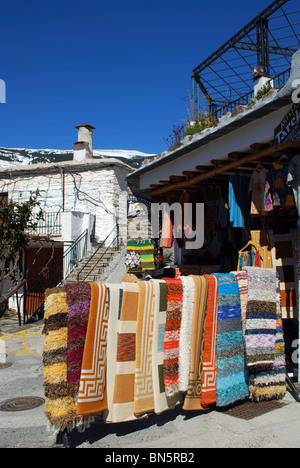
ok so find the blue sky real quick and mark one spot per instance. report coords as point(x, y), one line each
point(123, 66)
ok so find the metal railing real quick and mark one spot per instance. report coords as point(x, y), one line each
point(115, 243)
point(52, 276)
point(49, 226)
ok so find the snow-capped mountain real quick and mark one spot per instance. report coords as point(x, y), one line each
point(22, 156)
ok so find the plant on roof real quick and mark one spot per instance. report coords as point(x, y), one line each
point(173, 140)
point(263, 91)
point(204, 120)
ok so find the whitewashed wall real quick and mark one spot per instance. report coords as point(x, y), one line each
point(99, 191)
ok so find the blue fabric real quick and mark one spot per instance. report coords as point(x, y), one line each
point(239, 201)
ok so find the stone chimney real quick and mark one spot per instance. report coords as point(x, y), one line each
point(83, 148)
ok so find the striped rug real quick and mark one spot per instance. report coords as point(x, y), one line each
point(192, 400)
point(209, 386)
point(92, 394)
point(172, 335)
point(232, 378)
point(123, 398)
point(186, 332)
point(115, 295)
point(60, 405)
point(161, 401)
point(143, 390)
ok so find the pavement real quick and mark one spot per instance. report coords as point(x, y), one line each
point(21, 375)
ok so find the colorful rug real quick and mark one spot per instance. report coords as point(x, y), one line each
point(267, 383)
point(60, 405)
point(186, 332)
point(92, 394)
point(161, 401)
point(209, 386)
point(232, 378)
point(115, 295)
point(260, 330)
point(143, 390)
point(242, 278)
point(78, 299)
point(145, 251)
point(192, 400)
point(123, 398)
point(172, 335)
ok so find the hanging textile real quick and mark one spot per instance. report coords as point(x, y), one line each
point(209, 386)
point(257, 189)
point(92, 394)
point(232, 384)
point(242, 279)
point(78, 299)
point(60, 403)
point(161, 401)
point(185, 332)
point(192, 400)
point(269, 382)
point(167, 236)
point(293, 179)
point(142, 255)
point(172, 335)
point(115, 296)
point(143, 392)
point(123, 398)
point(239, 201)
point(261, 316)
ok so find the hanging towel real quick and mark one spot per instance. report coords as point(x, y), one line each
point(172, 335)
point(143, 392)
point(92, 394)
point(192, 400)
point(232, 379)
point(261, 316)
point(209, 386)
point(162, 402)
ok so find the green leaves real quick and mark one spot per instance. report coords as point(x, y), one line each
point(15, 220)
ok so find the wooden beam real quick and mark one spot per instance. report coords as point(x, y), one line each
point(232, 165)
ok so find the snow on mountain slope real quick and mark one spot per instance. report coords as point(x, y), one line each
point(21, 156)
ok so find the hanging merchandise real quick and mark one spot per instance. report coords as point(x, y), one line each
point(260, 316)
point(147, 346)
point(172, 334)
point(92, 393)
point(239, 201)
point(167, 236)
point(293, 179)
point(232, 384)
point(249, 258)
point(140, 255)
point(269, 382)
point(193, 397)
point(257, 188)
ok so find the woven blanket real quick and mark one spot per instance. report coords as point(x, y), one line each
point(260, 332)
point(242, 279)
point(143, 391)
point(172, 335)
point(78, 299)
point(186, 332)
point(123, 398)
point(60, 405)
point(162, 402)
point(192, 400)
point(92, 396)
point(232, 379)
point(115, 295)
point(145, 250)
point(269, 382)
point(209, 386)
